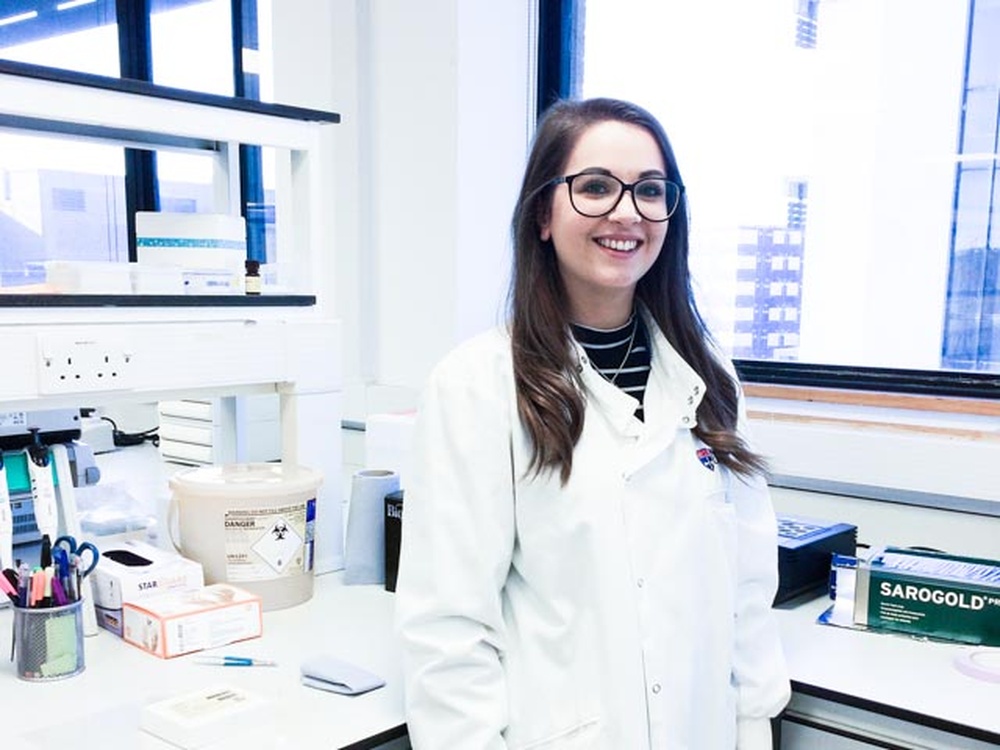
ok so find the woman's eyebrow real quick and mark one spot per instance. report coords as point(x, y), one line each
point(642, 175)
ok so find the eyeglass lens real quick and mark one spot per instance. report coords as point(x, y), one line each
point(655, 198)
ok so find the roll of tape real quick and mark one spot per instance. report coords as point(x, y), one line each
point(983, 664)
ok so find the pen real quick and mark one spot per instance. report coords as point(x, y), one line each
point(235, 661)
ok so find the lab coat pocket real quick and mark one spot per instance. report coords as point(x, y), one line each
point(723, 524)
point(583, 736)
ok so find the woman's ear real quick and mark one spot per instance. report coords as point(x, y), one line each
point(544, 223)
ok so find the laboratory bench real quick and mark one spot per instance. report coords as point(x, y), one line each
point(102, 705)
point(855, 689)
point(852, 689)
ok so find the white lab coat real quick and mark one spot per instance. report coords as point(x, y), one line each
point(629, 609)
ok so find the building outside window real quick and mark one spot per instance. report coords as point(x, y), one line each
point(840, 158)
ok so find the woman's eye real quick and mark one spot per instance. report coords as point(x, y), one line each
point(650, 190)
point(593, 186)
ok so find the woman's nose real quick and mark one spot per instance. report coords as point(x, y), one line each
point(626, 212)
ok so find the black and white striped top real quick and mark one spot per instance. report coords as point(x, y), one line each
point(621, 360)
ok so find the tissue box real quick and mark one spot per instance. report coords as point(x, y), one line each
point(929, 594)
point(179, 622)
point(133, 570)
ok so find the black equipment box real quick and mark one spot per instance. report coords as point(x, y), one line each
point(805, 547)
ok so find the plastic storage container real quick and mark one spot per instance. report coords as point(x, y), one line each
point(251, 525)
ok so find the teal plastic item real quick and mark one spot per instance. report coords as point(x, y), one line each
point(16, 466)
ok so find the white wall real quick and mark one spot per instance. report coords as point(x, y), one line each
point(435, 99)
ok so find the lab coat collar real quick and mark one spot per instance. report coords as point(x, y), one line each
point(673, 392)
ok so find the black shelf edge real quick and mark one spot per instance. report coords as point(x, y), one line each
point(155, 300)
point(962, 384)
point(132, 86)
point(903, 714)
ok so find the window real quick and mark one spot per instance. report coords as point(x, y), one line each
point(71, 200)
point(840, 160)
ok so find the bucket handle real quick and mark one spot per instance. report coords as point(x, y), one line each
point(172, 520)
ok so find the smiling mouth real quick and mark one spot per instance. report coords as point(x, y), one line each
point(621, 246)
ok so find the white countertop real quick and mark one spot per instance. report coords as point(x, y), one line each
point(897, 673)
point(102, 705)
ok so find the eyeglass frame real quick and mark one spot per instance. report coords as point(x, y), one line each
point(626, 187)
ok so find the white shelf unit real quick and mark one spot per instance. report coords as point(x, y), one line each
point(195, 351)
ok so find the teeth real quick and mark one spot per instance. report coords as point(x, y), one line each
point(620, 245)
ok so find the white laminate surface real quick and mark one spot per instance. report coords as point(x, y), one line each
point(892, 673)
point(102, 705)
point(897, 672)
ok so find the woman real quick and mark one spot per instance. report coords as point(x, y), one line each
point(589, 549)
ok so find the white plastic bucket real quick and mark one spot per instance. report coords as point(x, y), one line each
point(252, 525)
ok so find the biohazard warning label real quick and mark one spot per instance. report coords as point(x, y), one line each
point(268, 543)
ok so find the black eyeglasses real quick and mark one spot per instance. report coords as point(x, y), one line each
point(594, 194)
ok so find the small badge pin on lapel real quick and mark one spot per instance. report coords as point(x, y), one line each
point(707, 458)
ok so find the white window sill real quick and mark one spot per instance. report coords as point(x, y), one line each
point(917, 450)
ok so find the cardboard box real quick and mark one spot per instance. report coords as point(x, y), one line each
point(179, 622)
point(132, 570)
point(929, 594)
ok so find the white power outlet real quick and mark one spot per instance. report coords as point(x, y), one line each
point(84, 364)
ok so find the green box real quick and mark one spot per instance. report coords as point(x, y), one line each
point(930, 594)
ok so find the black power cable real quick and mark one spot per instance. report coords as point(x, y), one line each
point(128, 439)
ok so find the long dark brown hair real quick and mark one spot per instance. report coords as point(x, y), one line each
point(550, 398)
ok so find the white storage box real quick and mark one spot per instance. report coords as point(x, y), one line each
point(210, 248)
point(88, 277)
point(132, 570)
point(215, 716)
point(179, 622)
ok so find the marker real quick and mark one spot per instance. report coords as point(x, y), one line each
point(37, 591)
point(24, 584)
point(58, 593)
point(46, 554)
point(9, 590)
point(47, 590)
point(235, 661)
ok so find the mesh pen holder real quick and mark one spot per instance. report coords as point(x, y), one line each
point(48, 642)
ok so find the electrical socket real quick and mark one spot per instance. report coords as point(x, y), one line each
point(83, 364)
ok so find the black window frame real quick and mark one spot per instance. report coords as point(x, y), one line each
point(559, 75)
point(136, 74)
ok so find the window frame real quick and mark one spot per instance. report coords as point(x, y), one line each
point(136, 76)
point(560, 66)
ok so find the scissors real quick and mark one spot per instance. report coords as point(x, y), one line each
point(74, 553)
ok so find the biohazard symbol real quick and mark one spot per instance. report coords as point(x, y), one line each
point(280, 531)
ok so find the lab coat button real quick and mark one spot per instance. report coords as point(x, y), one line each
point(686, 420)
point(656, 687)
